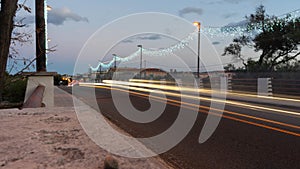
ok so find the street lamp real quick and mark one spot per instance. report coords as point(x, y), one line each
point(141, 60)
point(115, 58)
point(198, 24)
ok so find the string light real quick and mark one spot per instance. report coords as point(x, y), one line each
point(151, 52)
point(226, 31)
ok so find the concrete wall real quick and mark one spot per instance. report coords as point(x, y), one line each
point(47, 81)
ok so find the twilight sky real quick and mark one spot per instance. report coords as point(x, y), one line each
point(71, 25)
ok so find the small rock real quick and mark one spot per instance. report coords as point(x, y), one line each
point(60, 161)
point(2, 163)
point(110, 163)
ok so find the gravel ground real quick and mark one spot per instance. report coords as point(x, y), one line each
point(53, 138)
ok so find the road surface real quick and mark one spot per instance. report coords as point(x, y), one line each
point(249, 135)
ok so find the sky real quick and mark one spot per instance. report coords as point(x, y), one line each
point(77, 30)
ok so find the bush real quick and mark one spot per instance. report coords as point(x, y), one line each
point(15, 88)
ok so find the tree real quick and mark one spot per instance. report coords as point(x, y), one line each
point(10, 37)
point(289, 67)
point(276, 39)
point(235, 49)
point(229, 67)
point(7, 13)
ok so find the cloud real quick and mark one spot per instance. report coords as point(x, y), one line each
point(149, 37)
point(236, 24)
point(189, 10)
point(229, 15)
point(216, 43)
point(234, 1)
point(127, 41)
point(240, 1)
point(58, 16)
point(144, 37)
point(220, 2)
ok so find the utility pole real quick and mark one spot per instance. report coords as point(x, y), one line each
point(141, 60)
point(115, 58)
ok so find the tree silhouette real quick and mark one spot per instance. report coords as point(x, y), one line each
point(277, 41)
point(9, 37)
point(7, 13)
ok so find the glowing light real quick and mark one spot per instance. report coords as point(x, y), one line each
point(150, 52)
point(198, 24)
point(221, 32)
point(194, 106)
point(150, 81)
point(140, 87)
point(46, 9)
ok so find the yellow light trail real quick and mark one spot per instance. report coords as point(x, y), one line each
point(225, 111)
point(150, 81)
point(130, 85)
point(193, 106)
point(156, 86)
point(228, 93)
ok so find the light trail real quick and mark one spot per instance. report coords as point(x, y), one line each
point(265, 97)
point(194, 106)
point(130, 85)
point(151, 81)
point(216, 91)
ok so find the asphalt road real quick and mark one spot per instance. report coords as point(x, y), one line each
point(246, 137)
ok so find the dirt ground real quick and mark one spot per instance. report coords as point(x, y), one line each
point(53, 138)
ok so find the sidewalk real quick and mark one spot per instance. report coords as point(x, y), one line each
point(62, 98)
point(53, 138)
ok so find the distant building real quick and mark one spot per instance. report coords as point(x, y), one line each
point(153, 73)
point(122, 73)
point(130, 73)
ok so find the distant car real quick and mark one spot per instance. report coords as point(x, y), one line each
point(74, 83)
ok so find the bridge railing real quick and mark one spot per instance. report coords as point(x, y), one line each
point(261, 86)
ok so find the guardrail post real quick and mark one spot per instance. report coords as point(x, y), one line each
point(201, 86)
point(229, 84)
point(264, 87)
point(270, 90)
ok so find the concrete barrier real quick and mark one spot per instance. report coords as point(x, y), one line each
point(36, 98)
point(264, 87)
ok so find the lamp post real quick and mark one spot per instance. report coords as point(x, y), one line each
point(198, 24)
point(115, 58)
point(141, 60)
point(99, 70)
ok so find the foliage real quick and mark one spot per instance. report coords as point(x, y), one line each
point(19, 37)
point(15, 88)
point(289, 67)
point(7, 13)
point(57, 78)
point(276, 39)
point(229, 67)
point(12, 36)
